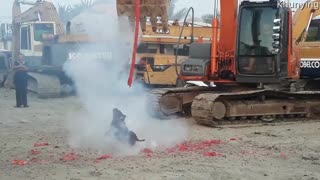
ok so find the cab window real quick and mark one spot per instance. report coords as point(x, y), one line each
point(43, 28)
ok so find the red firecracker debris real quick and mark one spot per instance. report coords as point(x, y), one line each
point(205, 144)
point(35, 152)
point(148, 156)
point(171, 150)
point(34, 160)
point(233, 139)
point(104, 157)
point(210, 154)
point(193, 146)
point(208, 143)
point(283, 155)
point(68, 157)
point(19, 162)
point(41, 144)
point(146, 150)
point(183, 147)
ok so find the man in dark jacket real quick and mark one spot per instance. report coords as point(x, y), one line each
point(21, 82)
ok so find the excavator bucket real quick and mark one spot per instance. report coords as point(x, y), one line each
point(148, 8)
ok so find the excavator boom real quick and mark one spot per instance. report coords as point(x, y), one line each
point(302, 18)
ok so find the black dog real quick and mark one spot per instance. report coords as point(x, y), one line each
point(121, 130)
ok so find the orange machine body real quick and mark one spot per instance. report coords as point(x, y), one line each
point(223, 50)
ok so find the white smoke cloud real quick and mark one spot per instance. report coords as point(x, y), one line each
point(102, 85)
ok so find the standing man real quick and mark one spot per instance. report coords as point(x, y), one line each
point(21, 82)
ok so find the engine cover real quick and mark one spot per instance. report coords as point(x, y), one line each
point(194, 67)
point(199, 58)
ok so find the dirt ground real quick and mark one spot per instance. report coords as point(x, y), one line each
point(285, 151)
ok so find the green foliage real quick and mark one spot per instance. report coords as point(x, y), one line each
point(67, 12)
point(172, 8)
point(178, 15)
point(312, 34)
point(207, 18)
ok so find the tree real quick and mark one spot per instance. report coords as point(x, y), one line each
point(172, 8)
point(67, 12)
point(207, 18)
point(178, 15)
point(64, 12)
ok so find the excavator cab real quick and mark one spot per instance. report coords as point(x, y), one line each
point(264, 46)
point(32, 35)
point(262, 52)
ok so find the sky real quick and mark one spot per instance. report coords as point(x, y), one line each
point(200, 6)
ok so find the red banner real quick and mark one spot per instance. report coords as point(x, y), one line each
point(135, 43)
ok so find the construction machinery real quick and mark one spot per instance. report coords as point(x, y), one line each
point(5, 36)
point(5, 65)
point(157, 52)
point(251, 72)
point(159, 56)
point(30, 29)
point(40, 36)
point(306, 34)
point(30, 26)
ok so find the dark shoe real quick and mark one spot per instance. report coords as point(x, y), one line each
point(17, 106)
point(25, 106)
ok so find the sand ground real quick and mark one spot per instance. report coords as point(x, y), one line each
point(285, 151)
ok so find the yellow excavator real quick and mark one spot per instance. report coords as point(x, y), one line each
point(306, 33)
point(156, 65)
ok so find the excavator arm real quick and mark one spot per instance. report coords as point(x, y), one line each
point(302, 19)
point(40, 11)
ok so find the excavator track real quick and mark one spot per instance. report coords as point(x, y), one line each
point(45, 86)
point(211, 107)
point(252, 107)
point(168, 101)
